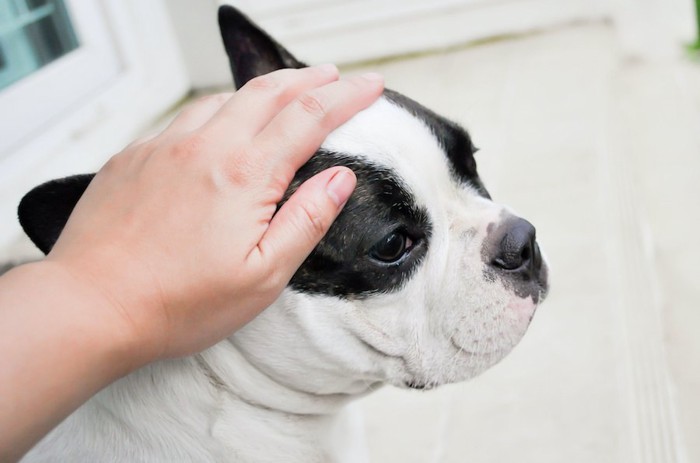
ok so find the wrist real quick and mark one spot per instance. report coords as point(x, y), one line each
point(125, 290)
point(84, 309)
point(62, 344)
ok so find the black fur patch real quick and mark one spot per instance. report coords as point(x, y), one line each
point(44, 211)
point(454, 140)
point(341, 264)
point(251, 51)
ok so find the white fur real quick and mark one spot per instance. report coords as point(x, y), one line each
point(275, 390)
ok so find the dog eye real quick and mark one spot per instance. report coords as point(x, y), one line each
point(392, 247)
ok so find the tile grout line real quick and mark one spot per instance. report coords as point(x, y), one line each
point(441, 446)
point(680, 79)
point(652, 425)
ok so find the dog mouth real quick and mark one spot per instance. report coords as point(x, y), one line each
point(418, 386)
point(405, 365)
point(473, 354)
point(478, 362)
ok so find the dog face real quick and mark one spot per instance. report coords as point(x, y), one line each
point(422, 280)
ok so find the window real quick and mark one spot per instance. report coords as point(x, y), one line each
point(55, 54)
point(33, 33)
point(99, 72)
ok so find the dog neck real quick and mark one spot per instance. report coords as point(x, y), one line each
point(232, 374)
point(229, 398)
point(204, 408)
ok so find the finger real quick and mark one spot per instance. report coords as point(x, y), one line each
point(263, 97)
point(296, 133)
point(196, 114)
point(305, 218)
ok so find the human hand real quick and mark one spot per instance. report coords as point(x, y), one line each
point(178, 236)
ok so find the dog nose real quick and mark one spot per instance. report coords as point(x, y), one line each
point(518, 251)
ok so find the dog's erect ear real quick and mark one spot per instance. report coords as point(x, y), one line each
point(251, 51)
point(44, 211)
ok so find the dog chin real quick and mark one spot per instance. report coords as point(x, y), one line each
point(466, 358)
point(456, 364)
point(466, 365)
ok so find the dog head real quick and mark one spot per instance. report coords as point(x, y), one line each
point(422, 280)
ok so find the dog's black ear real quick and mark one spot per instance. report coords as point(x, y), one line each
point(251, 51)
point(44, 211)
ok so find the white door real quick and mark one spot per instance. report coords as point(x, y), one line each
point(53, 54)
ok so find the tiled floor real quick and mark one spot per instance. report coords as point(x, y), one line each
point(602, 155)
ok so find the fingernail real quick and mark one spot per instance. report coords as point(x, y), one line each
point(328, 68)
point(373, 77)
point(341, 186)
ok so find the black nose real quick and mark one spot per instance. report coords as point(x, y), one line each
point(517, 251)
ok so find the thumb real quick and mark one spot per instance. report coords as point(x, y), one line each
point(306, 217)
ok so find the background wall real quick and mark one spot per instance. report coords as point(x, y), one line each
point(350, 31)
point(167, 47)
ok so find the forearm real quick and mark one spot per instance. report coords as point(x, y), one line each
point(59, 348)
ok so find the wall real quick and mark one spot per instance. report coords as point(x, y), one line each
point(347, 31)
point(168, 46)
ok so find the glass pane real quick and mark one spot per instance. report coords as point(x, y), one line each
point(33, 33)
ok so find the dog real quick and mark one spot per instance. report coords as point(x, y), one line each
point(422, 280)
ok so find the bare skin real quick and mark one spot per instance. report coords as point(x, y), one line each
point(174, 245)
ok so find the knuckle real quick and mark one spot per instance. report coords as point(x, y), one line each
point(218, 98)
point(313, 223)
point(277, 87)
point(264, 82)
point(189, 146)
point(243, 169)
point(281, 181)
point(313, 105)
